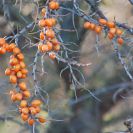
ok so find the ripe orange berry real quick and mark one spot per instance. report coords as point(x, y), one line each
point(20, 56)
point(42, 36)
point(50, 46)
point(22, 64)
point(92, 26)
point(25, 110)
point(6, 46)
point(87, 25)
point(55, 41)
point(43, 11)
point(38, 109)
point(50, 33)
point(42, 23)
point(112, 31)
point(2, 41)
point(22, 86)
point(26, 94)
point(33, 111)
point(13, 61)
point(49, 22)
point(16, 50)
point(52, 55)
point(98, 29)
point(36, 103)
point(110, 36)
point(11, 47)
point(31, 122)
point(16, 68)
point(13, 79)
point(54, 5)
point(7, 71)
point(41, 119)
point(24, 71)
point(24, 117)
point(119, 32)
point(111, 24)
point(18, 96)
point(19, 74)
point(23, 103)
point(57, 47)
point(44, 48)
point(24, 76)
point(120, 40)
point(102, 21)
point(2, 50)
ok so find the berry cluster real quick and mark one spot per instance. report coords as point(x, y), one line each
point(17, 72)
point(48, 41)
point(113, 30)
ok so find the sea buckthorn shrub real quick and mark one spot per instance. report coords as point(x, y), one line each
point(43, 34)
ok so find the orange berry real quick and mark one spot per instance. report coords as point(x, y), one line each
point(49, 22)
point(24, 76)
point(33, 111)
point(43, 11)
point(57, 47)
point(2, 41)
point(55, 41)
point(7, 71)
point(42, 23)
point(112, 31)
point(42, 37)
point(52, 55)
point(50, 33)
point(23, 103)
point(19, 74)
point(20, 56)
point(119, 32)
point(87, 25)
point(92, 26)
point(24, 71)
point(18, 96)
point(11, 47)
point(2, 50)
point(102, 21)
point(50, 46)
point(41, 119)
point(25, 110)
point(31, 122)
point(120, 40)
point(98, 29)
point(16, 50)
point(26, 94)
point(16, 68)
point(13, 79)
point(111, 24)
point(13, 61)
point(22, 64)
point(36, 103)
point(24, 117)
point(44, 48)
point(38, 109)
point(54, 5)
point(22, 86)
point(110, 36)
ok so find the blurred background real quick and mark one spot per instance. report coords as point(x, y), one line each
point(111, 105)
